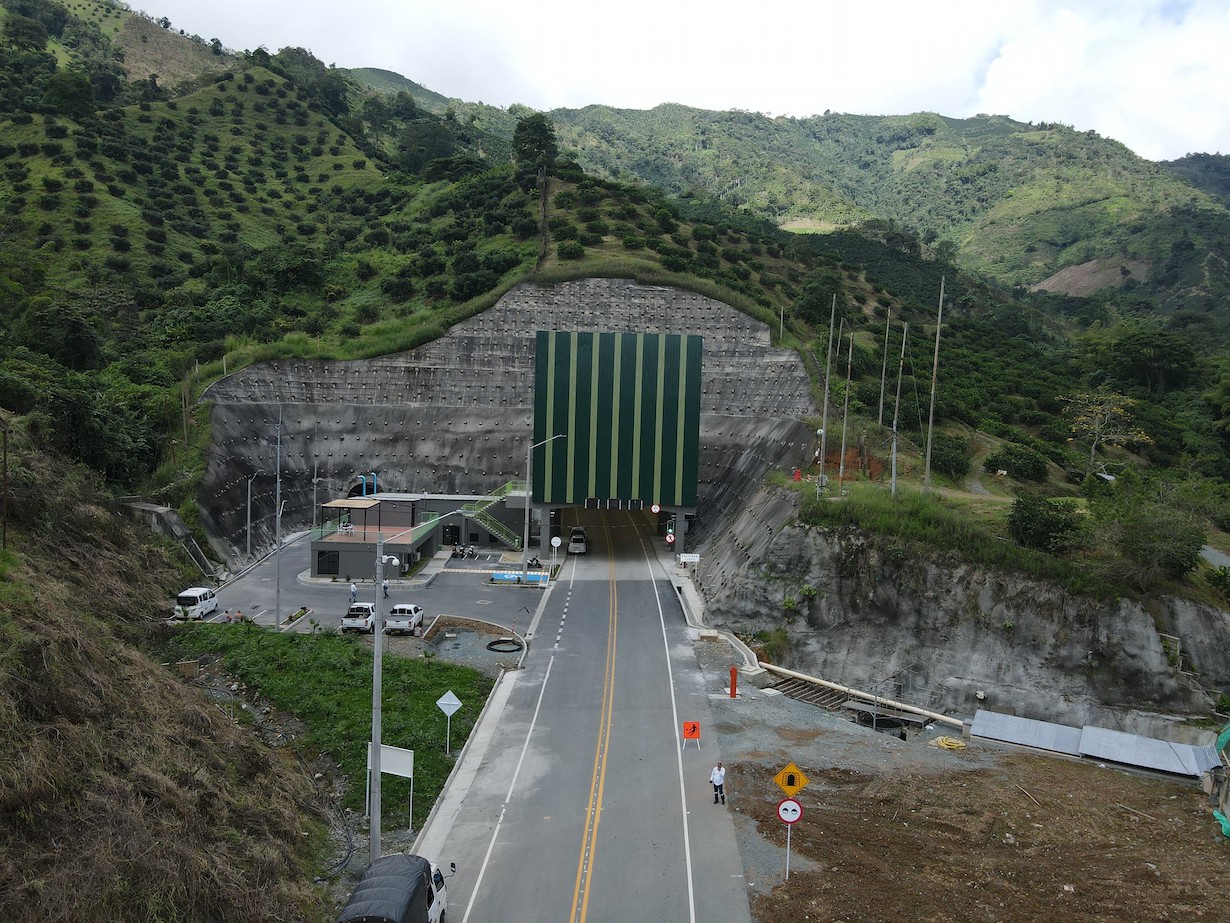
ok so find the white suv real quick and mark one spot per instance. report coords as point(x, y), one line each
point(360, 617)
point(403, 619)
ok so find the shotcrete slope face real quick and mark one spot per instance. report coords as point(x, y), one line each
point(454, 416)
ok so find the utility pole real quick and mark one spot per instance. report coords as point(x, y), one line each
point(897, 409)
point(824, 413)
point(841, 469)
point(935, 371)
point(884, 367)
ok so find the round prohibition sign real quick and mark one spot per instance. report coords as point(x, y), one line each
point(789, 811)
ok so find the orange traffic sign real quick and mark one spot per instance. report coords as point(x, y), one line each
point(691, 730)
point(791, 780)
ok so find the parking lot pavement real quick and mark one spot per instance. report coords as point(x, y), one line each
point(279, 585)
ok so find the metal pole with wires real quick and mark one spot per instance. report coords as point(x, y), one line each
point(824, 413)
point(935, 373)
point(905, 330)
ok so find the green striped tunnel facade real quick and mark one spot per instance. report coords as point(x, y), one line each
point(630, 406)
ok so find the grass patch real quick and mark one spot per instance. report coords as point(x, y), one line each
point(325, 681)
point(932, 523)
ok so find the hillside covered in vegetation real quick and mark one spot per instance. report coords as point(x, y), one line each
point(171, 210)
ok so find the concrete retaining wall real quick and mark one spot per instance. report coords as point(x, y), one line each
point(453, 416)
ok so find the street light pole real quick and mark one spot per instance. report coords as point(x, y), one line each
point(277, 526)
point(250, 480)
point(378, 677)
point(529, 491)
point(377, 709)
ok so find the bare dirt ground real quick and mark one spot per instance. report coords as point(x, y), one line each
point(902, 830)
point(1032, 838)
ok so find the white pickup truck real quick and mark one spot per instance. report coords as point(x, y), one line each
point(360, 617)
point(403, 619)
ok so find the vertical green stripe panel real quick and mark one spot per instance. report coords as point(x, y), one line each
point(681, 416)
point(630, 406)
point(609, 419)
point(669, 425)
point(544, 345)
point(560, 421)
point(693, 383)
point(595, 382)
point(647, 418)
point(626, 416)
point(574, 440)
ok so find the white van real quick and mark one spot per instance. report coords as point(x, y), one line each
point(195, 603)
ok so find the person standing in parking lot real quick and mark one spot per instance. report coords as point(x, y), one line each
point(385, 586)
point(354, 592)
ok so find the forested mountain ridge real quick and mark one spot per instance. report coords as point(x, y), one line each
point(1016, 201)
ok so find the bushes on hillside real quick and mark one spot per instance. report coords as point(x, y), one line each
point(1044, 525)
point(1019, 461)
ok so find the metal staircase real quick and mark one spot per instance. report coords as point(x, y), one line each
point(812, 694)
point(478, 512)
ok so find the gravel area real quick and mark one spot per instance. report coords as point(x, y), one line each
point(459, 641)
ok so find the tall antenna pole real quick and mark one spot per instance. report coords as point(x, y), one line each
point(935, 370)
point(884, 367)
point(824, 416)
point(845, 411)
point(905, 330)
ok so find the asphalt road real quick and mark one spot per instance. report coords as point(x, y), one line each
point(575, 799)
point(579, 802)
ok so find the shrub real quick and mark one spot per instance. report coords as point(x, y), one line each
point(948, 455)
point(570, 250)
point(1044, 525)
point(1019, 461)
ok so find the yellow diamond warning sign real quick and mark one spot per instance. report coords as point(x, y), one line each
point(790, 780)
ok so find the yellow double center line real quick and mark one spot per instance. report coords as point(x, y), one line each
point(589, 844)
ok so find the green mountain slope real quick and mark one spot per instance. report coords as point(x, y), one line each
point(1020, 202)
point(390, 84)
point(1210, 173)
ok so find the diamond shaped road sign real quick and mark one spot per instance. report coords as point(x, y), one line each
point(791, 780)
point(448, 703)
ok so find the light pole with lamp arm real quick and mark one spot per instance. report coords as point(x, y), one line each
point(250, 480)
point(529, 492)
point(416, 533)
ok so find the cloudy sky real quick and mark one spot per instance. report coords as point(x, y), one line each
point(1154, 74)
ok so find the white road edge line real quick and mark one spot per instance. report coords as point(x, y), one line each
point(670, 675)
point(478, 882)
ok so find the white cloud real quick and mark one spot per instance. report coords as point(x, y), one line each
point(1151, 73)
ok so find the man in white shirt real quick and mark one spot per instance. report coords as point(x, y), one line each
point(718, 778)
